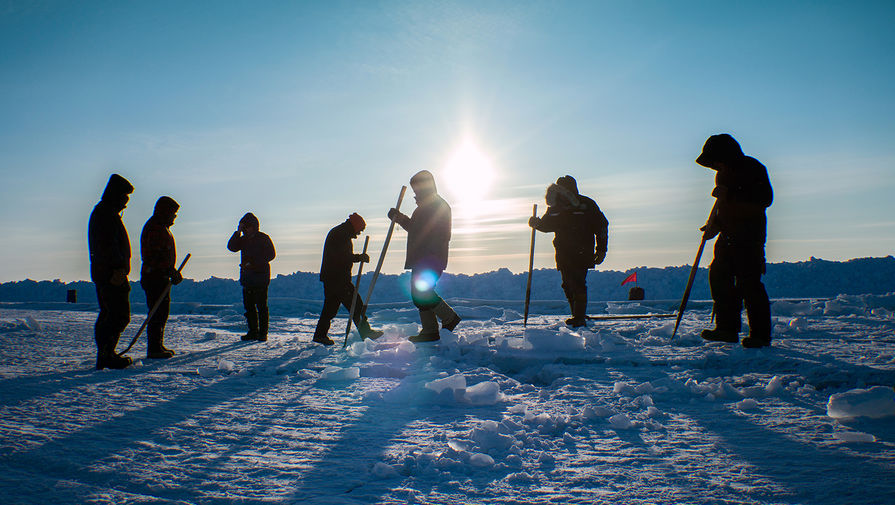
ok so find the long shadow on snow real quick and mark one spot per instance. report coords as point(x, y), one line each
point(18, 390)
point(68, 457)
point(813, 473)
point(804, 468)
point(342, 474)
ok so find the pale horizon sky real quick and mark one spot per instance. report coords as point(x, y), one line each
point(303, 112)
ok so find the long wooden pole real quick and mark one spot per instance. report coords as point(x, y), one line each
point(693, 269)
point(388, 238)
point(154, 308)
point(355, 294)
point(531, 263)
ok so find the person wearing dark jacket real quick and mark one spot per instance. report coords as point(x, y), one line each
point(581, 239)
point(428, 235)
point(335, 274)
point(256, 252)
point(159, 255)
point(110, 262)
point(743, 192)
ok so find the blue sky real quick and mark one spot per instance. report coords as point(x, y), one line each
point(303, 112)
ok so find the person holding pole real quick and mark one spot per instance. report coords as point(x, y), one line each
point(335, 274)
point(428, 235)
point(581, 239)
point(743, 192)
point(256, 252)
point(159, 255)
point(110, 262)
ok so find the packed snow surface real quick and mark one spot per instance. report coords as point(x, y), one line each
point(493, 413)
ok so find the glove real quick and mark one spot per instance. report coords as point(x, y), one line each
point(393, 213)
point(534, 221)
point(362, 257)
point(599, 256)
point(720, 192)
point(176, 278)
point(709, 231)
point(119, 277)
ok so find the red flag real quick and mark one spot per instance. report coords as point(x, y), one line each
point(630, 278)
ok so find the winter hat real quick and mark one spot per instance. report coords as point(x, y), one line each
point(116, 187)
point(165, 205)
point(569, 183)
point(250, 220)
point(721, 147)
point(423, 183)
point(357, 222)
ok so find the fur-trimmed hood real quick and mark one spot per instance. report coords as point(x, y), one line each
point(561, 196)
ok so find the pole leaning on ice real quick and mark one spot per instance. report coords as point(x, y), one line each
point(531, 263)
point(388, 238)
point(693, 269)
point(360, 268)
point(154, 308)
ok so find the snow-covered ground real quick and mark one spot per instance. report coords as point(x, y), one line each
point(493, 414)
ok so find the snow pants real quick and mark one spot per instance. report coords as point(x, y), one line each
point(155, 329)
point(734, 279)
point(574, 285)
point(335, 294)
point(254, 301)
point(114, 315)
point(422, 288)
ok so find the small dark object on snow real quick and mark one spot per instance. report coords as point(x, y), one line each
point(636, 293)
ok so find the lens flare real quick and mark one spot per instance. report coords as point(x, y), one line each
point(424, 280)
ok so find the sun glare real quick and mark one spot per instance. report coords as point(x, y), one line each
point(468, 175)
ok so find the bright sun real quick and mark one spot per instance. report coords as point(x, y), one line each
point(468, 174)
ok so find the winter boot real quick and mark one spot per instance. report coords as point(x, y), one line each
point(320, 333)
point(107, 358)
point(156, 348)
point(720, 335)
point(263, 319)
point(449, 318)
point(754, 343)
point(325, 340)
point(579, 312)
point(363, 327)
point(252, 320)
point(429, 332)
point(117, 362)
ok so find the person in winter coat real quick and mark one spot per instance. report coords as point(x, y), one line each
point(581, 239)
point(110, 262)
point(335, 274)
point(428, 235)
point(256, 252)
point(159, 255)
point(743, 192)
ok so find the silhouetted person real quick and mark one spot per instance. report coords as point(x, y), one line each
point(159, 256)
point(335, 274)
point(428, 236)
point(110, 262)
point(581, 238)
point(743, 192)
point(256, 252)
